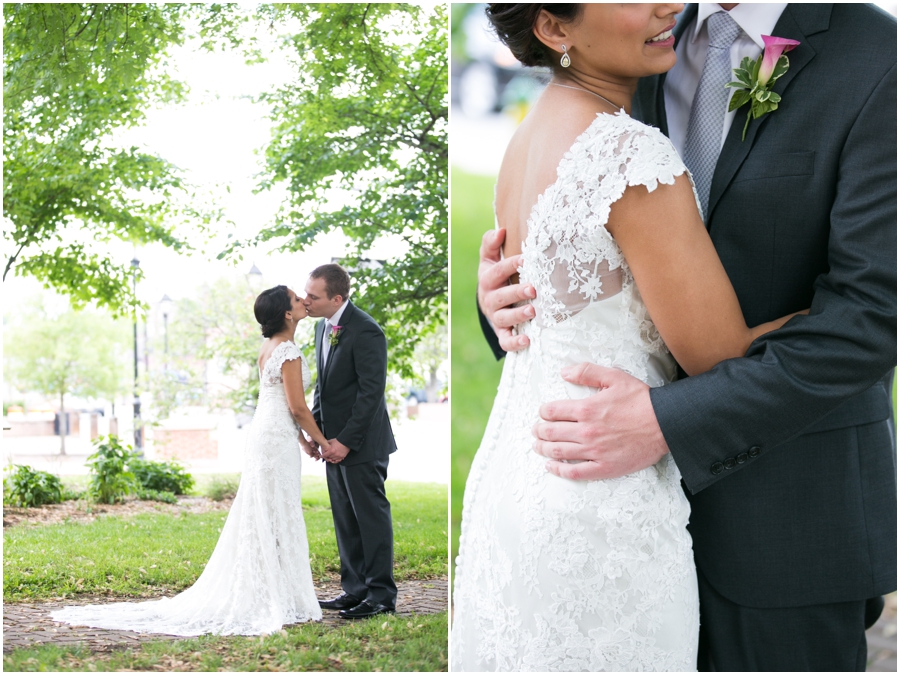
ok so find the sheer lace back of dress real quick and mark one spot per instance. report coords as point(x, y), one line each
point(569, 255)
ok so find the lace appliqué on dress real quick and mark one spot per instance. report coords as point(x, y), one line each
point(258, 577)
point(557, 575)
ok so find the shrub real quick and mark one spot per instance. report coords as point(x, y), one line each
point(221, 488)
point(27, 487)
point(110, 478)
point(162, 476)
point(73, 494)
point(157, 495)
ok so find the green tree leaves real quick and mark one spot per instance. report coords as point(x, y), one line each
point(360, 140)
point(72, 75)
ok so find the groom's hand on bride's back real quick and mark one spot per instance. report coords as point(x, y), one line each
point(496, 295)
point(615, 431)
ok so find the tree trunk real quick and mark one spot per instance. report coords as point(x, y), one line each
point(63, 427)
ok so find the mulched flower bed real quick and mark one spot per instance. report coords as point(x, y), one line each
point(82, 510)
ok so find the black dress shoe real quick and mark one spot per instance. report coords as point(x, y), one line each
point(364, 610)
point(343, 601)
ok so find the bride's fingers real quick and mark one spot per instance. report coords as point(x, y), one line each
point(582, 471)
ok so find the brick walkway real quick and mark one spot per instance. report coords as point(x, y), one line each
point(882, 639)
point(29, 624)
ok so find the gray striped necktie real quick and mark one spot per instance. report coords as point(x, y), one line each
point(704, 134)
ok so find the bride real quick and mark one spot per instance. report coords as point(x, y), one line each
point(258, 578)
point(555, 574)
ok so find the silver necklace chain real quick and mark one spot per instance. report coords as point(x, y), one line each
point(565, 86)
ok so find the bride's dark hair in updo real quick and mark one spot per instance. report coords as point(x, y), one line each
point(269, 309)
point(514, 25)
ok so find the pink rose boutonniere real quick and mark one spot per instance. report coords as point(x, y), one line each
point(755, 79)
point(334, 335)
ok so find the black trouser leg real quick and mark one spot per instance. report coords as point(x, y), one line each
point(362, 521)
point(828, 637)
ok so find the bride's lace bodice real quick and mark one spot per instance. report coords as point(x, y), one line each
point(554, 574)
point(571, 258)
point(272, 411)
point(271, 379)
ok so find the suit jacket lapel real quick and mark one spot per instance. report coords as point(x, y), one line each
point(797, 22)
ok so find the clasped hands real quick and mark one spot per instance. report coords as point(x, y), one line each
point(611, 433)
point(333, 453)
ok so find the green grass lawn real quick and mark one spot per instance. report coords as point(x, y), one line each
point(150, 554)
point(475, 371)
point(393, 643)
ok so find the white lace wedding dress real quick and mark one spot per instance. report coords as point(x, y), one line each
point(558, 575)
point(258, 578)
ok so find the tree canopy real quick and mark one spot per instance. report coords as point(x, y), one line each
point(360, 140)
point(73, 74)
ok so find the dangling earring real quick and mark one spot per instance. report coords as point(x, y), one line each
point(565, 61)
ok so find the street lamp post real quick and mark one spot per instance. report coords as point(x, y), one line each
point(166, 305)
point(138, 432)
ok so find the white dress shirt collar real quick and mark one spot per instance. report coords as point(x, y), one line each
point(755, 19)
point(335, 319)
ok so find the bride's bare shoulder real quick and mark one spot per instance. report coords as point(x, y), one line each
point(532, 158)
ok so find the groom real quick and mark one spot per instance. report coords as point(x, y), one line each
point(350, 409)
point(788, 454)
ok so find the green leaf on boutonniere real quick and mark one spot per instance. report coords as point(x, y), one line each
point(739, 99)
point(780, 67)
point(743, 75)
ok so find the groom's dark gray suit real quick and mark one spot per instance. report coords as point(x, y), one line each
point(789, 453)
point(350, 406)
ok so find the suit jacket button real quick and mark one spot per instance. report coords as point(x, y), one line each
point(754, 451)
point(717, 468)
point(729, 463)
point(743, 457)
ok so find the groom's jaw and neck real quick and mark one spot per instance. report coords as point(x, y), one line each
point(317, 302)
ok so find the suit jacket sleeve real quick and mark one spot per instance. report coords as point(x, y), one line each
point(793, 377)
point(488, 330)
point(370, 361)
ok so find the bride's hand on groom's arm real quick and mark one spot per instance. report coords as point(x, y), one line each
point(496, 295)
point(615, 431)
